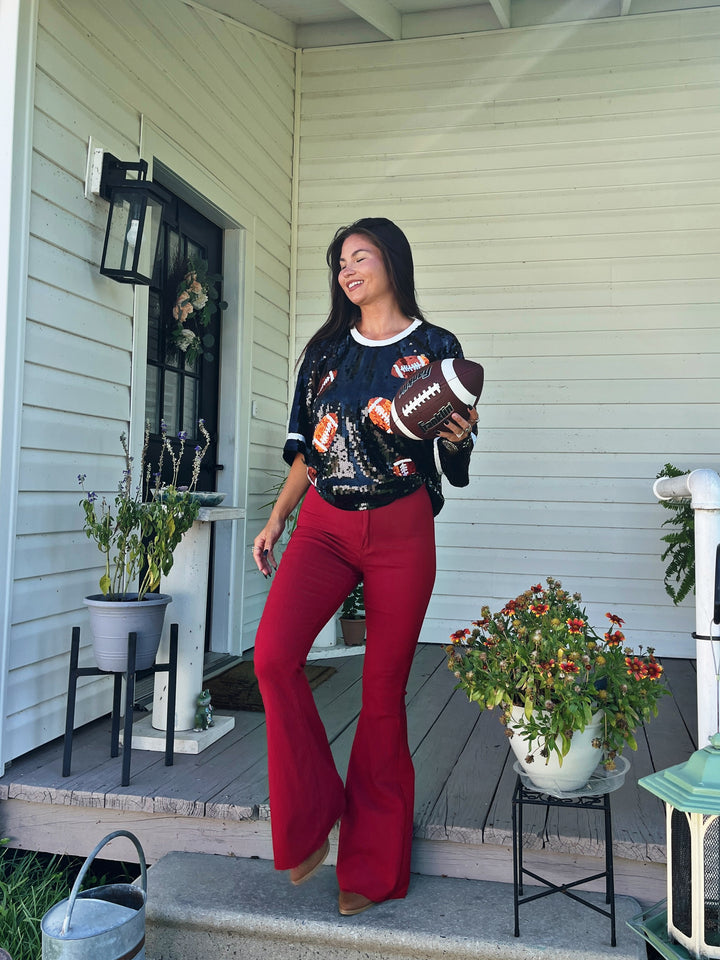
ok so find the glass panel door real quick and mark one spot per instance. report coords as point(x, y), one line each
point(182, 389)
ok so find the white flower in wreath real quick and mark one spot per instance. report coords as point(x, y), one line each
point(186, 339)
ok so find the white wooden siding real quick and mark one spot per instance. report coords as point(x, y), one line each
point(227, 96)
point(560, 188)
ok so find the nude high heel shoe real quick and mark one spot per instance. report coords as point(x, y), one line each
point(310, 866)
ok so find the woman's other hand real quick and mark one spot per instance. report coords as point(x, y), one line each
point(263, 546)
point(293, 491)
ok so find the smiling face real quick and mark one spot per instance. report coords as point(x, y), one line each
point(362, 275)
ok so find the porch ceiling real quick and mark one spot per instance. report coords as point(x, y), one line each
point(320, 23)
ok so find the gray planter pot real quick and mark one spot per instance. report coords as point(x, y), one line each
point(112, 620)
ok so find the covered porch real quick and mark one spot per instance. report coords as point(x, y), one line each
point(217, 801)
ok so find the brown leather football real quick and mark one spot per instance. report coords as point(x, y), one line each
point(427, 399)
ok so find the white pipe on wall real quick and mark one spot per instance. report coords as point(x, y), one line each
point(703, 489)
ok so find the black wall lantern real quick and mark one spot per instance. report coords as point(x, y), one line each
point(133, 227)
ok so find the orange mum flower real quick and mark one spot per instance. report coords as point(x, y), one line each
point(614, 618)
point(575, 625)
point(615, 639)
point(654, 669)
point(636, 667)
point(569, 666)
point(539, 608)
point(459, 635)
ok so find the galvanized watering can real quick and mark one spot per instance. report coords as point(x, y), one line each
point(103, 923)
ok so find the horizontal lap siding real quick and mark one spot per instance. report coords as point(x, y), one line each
point(560, 188)
point(228, 97)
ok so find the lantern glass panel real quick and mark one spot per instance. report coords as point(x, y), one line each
point(711, 869)
point(122, 234)
point(148, 251)
point(681, 850)
point(132, 235)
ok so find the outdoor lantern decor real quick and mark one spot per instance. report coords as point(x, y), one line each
point(691, 792)
point(133, 227)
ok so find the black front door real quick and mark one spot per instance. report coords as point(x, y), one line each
point(182, 389)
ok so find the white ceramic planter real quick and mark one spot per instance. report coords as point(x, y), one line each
point(577, 767)
point(112, 620)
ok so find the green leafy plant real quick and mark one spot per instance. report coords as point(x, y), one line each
point(353, 607)
point(137, 538)
point(680, 572)
point(539, 652)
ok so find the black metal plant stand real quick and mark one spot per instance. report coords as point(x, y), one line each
point(170, 668)
point(523, 796)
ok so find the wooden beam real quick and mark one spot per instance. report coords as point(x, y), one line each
point(379, 14)
point(625, 7)
point(501, 9)
point(252, 15)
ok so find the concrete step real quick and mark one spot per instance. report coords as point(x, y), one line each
point(204, 905)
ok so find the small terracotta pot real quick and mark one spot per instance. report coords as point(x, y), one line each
point(353, 632)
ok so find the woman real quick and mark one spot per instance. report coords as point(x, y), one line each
point(367, 516)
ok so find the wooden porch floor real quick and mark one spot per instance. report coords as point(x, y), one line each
point(217, 801)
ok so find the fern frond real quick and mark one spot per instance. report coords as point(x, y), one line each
point(680, 543)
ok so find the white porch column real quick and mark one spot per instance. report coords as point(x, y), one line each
point(18, 35)
point(187, 583)
point(703, 489)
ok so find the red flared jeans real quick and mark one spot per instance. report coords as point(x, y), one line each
point(392, 550)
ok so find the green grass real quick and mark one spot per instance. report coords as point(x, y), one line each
point(32, 883)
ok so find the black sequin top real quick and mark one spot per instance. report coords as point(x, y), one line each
point(340, 420)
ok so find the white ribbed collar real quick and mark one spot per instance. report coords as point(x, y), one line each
point(381, 343)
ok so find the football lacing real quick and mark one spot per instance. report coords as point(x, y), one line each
point(420, 399)
point(325, 435)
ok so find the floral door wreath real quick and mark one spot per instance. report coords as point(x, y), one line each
point(196, 299)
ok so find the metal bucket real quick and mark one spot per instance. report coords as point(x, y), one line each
point(103, 923)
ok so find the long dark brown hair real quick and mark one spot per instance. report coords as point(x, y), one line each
point(397, 257)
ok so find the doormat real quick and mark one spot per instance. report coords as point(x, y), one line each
point(237, 688)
